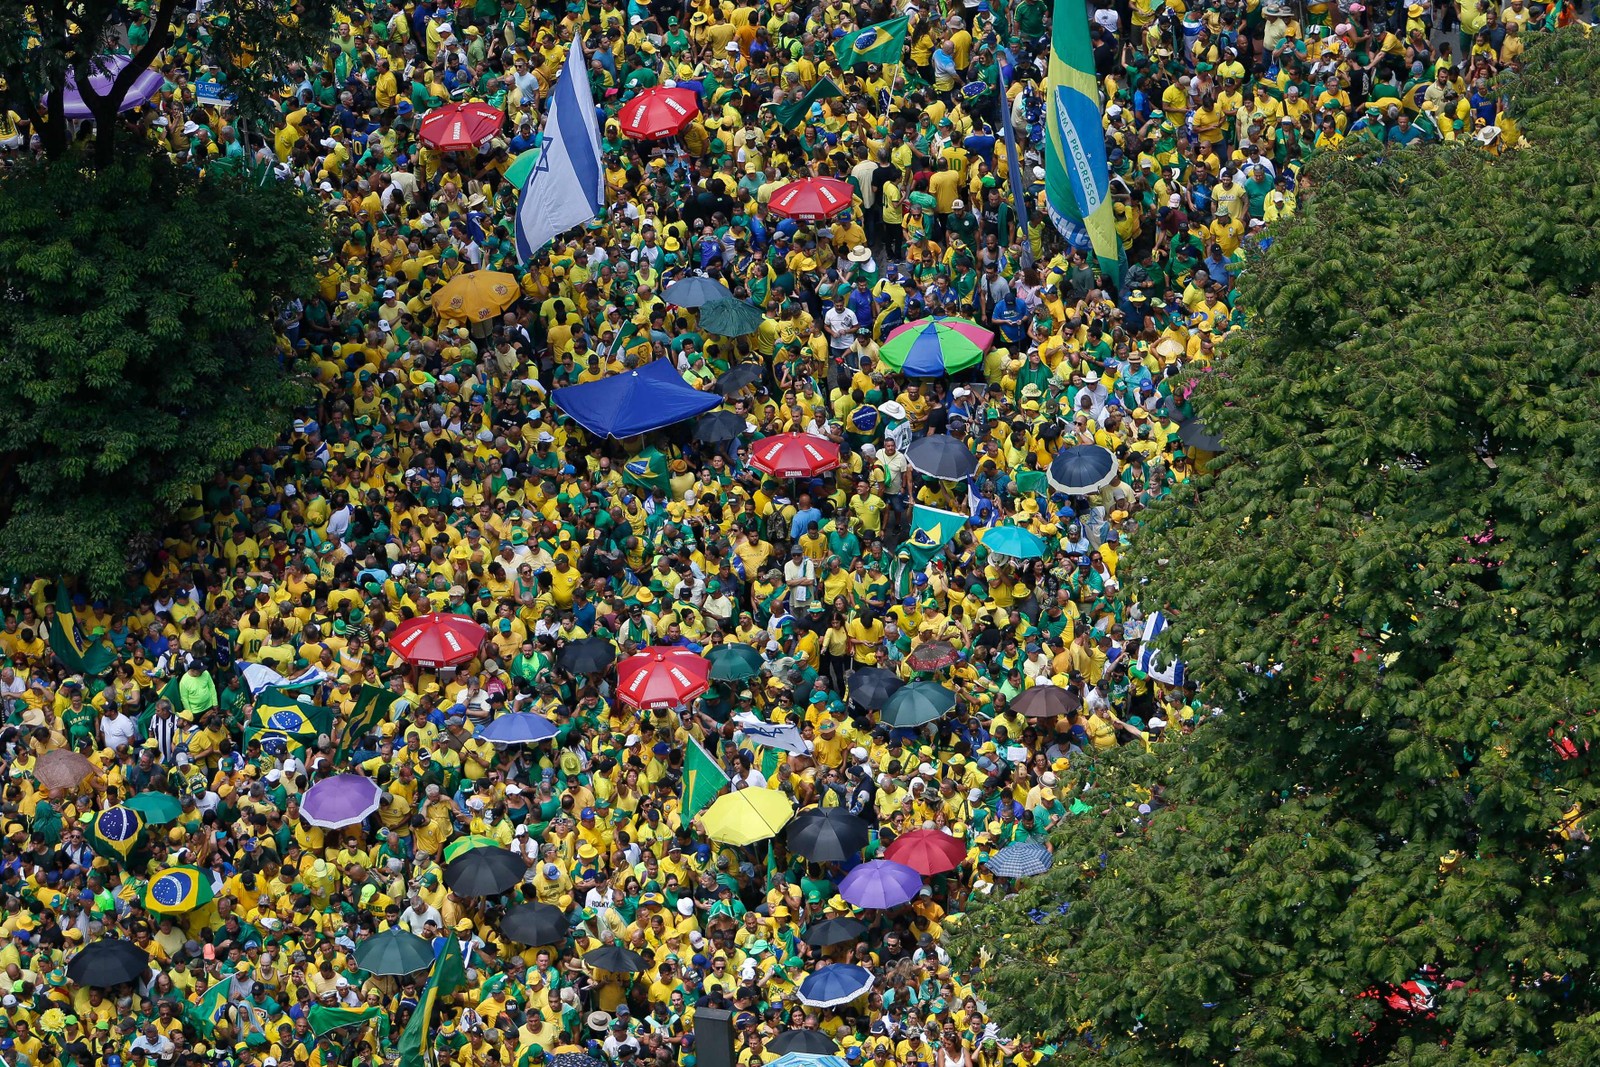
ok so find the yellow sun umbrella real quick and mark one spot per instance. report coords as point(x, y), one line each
point(746, 816)
point(477, 296)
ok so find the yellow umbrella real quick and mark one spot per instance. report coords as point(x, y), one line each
point(477, 296)
point(746, 816)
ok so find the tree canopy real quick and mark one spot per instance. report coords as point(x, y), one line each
point(252, 47)
point(1388, 590)
point(137, 353)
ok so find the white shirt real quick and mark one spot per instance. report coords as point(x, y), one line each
point(841, 324)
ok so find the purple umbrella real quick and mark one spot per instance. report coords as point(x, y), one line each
point(103, 70)
point(880, 884)
point(343, 800)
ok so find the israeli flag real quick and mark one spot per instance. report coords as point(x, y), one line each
point(1150, 661)
point(259, 676)
point(567, 187)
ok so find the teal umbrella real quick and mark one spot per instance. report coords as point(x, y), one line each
point(158, 809)
point(733, 663)
point(1014, 541)
point(917, 704)
point(730, 318)
point(394, 952)
point(521, 167)
point(931, 349)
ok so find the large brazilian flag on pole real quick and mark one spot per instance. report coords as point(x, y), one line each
point(1077, 180)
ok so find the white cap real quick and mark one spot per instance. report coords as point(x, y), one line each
point(1114, 110)
point(191, 127)
point(388, 294)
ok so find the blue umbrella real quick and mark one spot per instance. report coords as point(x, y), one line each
point(1082, 469)
point(836, 984)
point(1021, 860)
point(695, 292)
point(1014, 541)
point(518, 728)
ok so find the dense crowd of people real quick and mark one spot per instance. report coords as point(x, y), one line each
point(435, 474)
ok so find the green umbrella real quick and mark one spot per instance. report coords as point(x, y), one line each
point(158, 809)
point(467, 844)
point(918, 703)
point(730, 318)
point(394, 952)
point(521, 167)
point(733, 663)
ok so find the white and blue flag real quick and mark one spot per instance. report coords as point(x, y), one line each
point(1151, 663)
point(567, 187)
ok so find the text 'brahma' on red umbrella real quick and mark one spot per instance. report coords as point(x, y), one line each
point(437, 640)
point(658, 112)
point(794, 455)
point(454, 127)
point(811, 199)
point(662, 677)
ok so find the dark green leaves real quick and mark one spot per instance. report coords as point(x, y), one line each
point(136, 351)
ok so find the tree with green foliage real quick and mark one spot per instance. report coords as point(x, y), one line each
point(137, 349)
point(1388, 589)
point(251, 47)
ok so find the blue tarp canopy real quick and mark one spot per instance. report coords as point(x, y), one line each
point(634, 402)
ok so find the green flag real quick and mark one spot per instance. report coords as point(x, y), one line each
point(789, 115)
point(702, 781)
point(82, 654)
point(449, 974)
point(324, 1019)
point(931, 530)
point(881, 43)
point(372, 707)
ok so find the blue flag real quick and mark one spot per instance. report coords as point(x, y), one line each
point(567, 186)
point(1019, 189)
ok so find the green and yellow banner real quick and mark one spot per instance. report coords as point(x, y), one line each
point(1077, 179)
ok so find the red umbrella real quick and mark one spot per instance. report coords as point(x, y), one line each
point(928, 852)
point(812, 199)
point(457, 126)
point(658, 112)
point(662, 677)
point(794, 455)
point(437, 640)
point(932, 656)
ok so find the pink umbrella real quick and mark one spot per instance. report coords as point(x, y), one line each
point(984, 339)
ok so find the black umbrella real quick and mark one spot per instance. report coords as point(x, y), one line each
point(535, 924)
point(1047, 702)
point(943, 457)
point(871, 687)
point(484, 872)
point(1193, 433)
point(103, 964)
point(827, 835)
point(739, 377)
point(616, 959)
point(720, 426)
point(833, 932)
point(1082, 469)
point(588, 655)
point(805, 1042)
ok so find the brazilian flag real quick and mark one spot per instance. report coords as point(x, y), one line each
point(931, 530)
point(178, 890)
point(648, 470)
point(282, 713)
point(881, 43)
point(116, 832)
